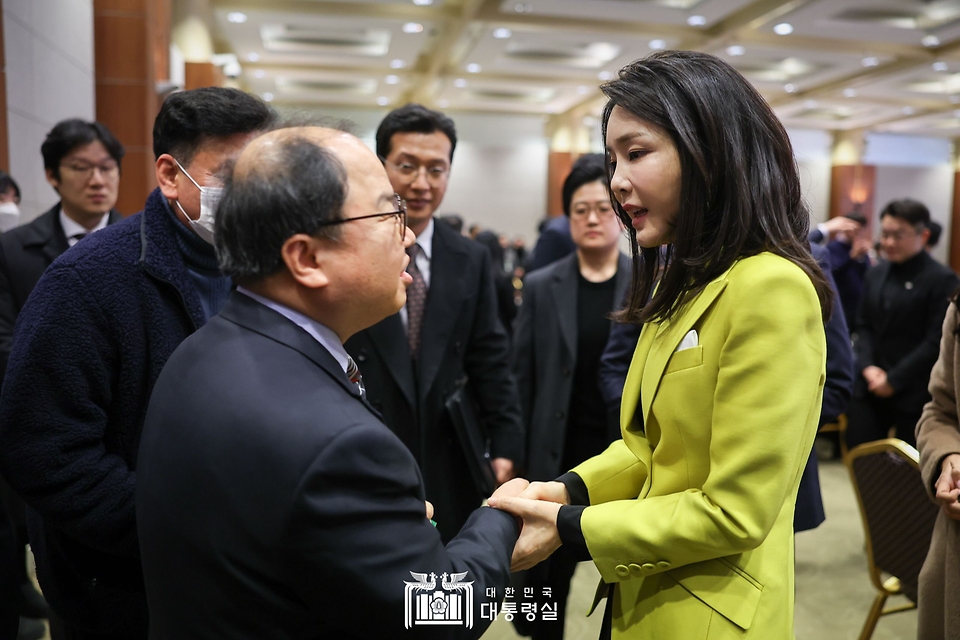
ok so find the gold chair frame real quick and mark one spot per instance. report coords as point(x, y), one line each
point(890, 586)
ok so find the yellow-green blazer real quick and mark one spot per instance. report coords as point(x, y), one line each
point(691, 514)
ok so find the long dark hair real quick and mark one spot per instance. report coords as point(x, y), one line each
point(739, 193)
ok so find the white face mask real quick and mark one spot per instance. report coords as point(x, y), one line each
point(209, 199)
point(9, 216)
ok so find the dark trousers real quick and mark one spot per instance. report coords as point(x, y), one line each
point(554, 573)
point(870, 418)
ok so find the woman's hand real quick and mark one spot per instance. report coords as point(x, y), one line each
point(550, 491)
point(948, 486)
point(539, 537)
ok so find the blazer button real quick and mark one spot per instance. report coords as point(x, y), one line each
point(664, 565)
point(622, 570)
point(648, 568)
point(561, 414)
point(636, 570)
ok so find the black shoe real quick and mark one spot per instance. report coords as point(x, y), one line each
point(31, 629)
point(32, 604)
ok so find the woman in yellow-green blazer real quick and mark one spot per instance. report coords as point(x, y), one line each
point(689, 518)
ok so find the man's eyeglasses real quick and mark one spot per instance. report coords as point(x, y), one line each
point(604, 211)
point(409, 171)
point(401, 214)
point(108, 170)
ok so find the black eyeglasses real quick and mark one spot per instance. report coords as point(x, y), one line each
point(401, 214)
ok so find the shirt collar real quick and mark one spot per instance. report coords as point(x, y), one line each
point(71, 227)
point(425, 240)
point(324, 335)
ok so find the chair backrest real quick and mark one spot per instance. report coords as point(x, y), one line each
point(898, 516)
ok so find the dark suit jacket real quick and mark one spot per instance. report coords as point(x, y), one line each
point(545, 357)
point(904, 341)
point(461, 337)
point(554, 243)
point(273, 502)
point(25, 253)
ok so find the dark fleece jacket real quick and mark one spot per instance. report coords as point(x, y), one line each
point(88, 347)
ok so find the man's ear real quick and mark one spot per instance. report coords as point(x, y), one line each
point(301, 254)
point(167, 171)
point(52, 179)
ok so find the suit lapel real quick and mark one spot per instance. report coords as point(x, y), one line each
point(390, 340)
point(564, 288)
point(444, 300)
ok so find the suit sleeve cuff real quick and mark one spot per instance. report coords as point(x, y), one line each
point(575, 488)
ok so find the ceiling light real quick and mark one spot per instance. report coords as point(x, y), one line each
point(268, 96)
point(789, 87)
point(696, 21)
point(525, 7)
point(459, 83)
point(259, 73)
point(473, 67)
point(443, 104)
point(253, 56)
point(850, 93)
point(810, 104)
point(605, 75)
point(502, 33)
point(397, 64)
point(583, 90)
point(940, 65)
point(392, 79)
point(383, 101)
point(870, 61)
point(783, 29)
point(236, 17)
point(423, 3)
point(735, 50)
point(412, 27)
point(930, 41)
point(907, 111)
point(657, 44)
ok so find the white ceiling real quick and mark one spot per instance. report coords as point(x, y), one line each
point(890, 65)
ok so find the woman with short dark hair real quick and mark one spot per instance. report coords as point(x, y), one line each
point(689, 517)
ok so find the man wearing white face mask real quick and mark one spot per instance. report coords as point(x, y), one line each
point(91, 342)
point(9, 202)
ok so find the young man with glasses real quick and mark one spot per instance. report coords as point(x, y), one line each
point(82, 163)
point(898, 328)
point(446, 337)
point(89, 346)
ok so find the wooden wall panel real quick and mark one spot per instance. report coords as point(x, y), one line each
point(851, 183)
point(954, 250)
point(198, 75)
point(558, 168)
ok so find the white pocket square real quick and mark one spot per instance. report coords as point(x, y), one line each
point(689, 341)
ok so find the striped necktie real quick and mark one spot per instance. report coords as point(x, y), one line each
point(353, 372)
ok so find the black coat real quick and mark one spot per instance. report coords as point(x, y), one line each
point(545, 357)
point(460, 336)
point(274, 503)
point(88, 347)
point(904, 341)
point(25, 253)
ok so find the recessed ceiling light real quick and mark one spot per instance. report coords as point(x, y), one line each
point(473, 67)
point(523, 7)
point(383, 101)
point(696, 21)
point(259, 73)
point(236, 17)
point(392, 79)
point(583, 90)
point(397, 64)
point(850, 93)
point(657, 44)
point(253, 56)
point(870, 61)
point(460, 83)
point(443, 104)
point(735, 50)
point(907, 111)
point(605, 75)
point(412, 27)
point(940, 65)
point(423, 3)
point(789, 87)
point(551, 109)
point(930, 41)
point(502, 33)
point(268, 96)
point(783, 29)
point(810, 104)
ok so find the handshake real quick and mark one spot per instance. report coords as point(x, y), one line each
point(535, 505)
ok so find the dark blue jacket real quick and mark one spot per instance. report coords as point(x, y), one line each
point(88, 346)
point(554, 243)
